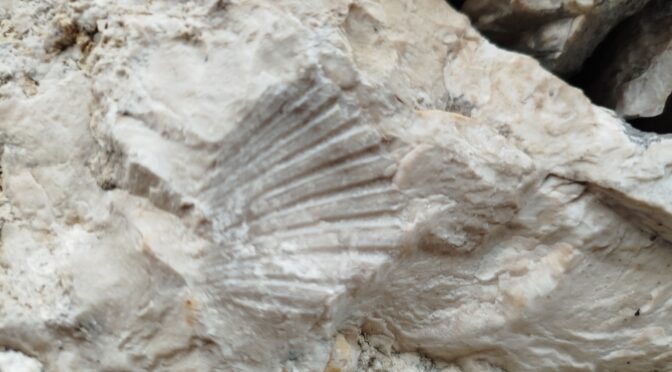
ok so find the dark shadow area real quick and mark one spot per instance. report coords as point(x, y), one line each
point(597, 69)
point(456, 4)
point(593, 69)
point(661, 124)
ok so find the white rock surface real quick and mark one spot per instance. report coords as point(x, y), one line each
point(12, 361)
point(289, 185)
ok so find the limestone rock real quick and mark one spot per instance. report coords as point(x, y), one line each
point(638, 78)
point(17, 362)
point(560, 33)
point(306, 186)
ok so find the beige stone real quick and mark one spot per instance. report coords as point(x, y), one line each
point(230, 185)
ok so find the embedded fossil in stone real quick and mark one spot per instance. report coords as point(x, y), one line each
point(323, 185)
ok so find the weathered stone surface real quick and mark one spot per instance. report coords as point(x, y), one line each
point(324, 185)
point(560, 33)
point(17, 362)
point(637, 79)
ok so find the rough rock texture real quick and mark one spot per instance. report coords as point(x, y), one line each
point(560, 33)
point(323, 185)
point(16, 362)
point(637, 79)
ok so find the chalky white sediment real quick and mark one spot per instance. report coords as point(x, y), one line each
point(249, 185)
